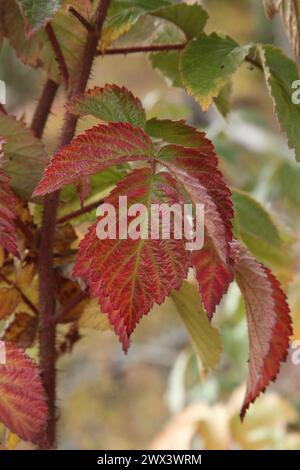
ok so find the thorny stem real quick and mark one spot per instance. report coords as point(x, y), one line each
point(43, 108)
point(80, 18)
point(46, 273)
point(58, 54)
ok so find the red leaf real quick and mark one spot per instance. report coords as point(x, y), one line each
point(269, 322)
point(22, 399)
point(213, 276)
point(7, 212)
point(98, 148)
point(129, 276)
point(201, 182)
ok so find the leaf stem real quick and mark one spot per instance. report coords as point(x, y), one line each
point(58, 54)
point(46, 273)
point(147, 49)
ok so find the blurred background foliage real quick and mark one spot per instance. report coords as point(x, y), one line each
point(157, 396)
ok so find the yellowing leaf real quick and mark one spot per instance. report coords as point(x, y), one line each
point(207, 64)
point(24, 156)
point(205, 338)
point(92, 318)
point(9, 300)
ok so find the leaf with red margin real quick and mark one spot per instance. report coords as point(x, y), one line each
point(196, 172)
point(111, 104)
point(129, 276)
point(269, 322)
point(23, 406)
point(97, 149)
point(7, 212)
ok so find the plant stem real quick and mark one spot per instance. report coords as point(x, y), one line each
point(58, 54)
point(84, 210)
point(137, 49)
point(43, 108)
point(46, 274)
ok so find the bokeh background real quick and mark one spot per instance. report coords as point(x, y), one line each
point(157, 396)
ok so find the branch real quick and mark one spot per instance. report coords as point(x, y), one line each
point(80, 18)
point(24, 297)
point(43, 108)
point(46, 272)
point(84, 210)
point(147, 49)
point(58, 54)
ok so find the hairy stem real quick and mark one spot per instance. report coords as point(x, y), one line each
point(43, 108)
point(47, 294)
point(58, 54)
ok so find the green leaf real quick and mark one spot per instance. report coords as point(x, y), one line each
point(176, 132)
point(191, 19)
point(37, 13)
point(256, 228)
point(24, 156)
point(123, 14)
point(207, 64)
point(205, 338)
point(280, 73)
point(223, 100)
point(168, 62)
point(110, 103)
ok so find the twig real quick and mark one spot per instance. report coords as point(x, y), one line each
point(80, 18)
point(24, 297)
point(137, 49)
point(46, 273)
point(43, 108)
point(58, 54)
point(84, 210)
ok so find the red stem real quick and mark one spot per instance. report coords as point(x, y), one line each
point(46, 273)
point(137, 49)
point(58, 54)
point(43, 108)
